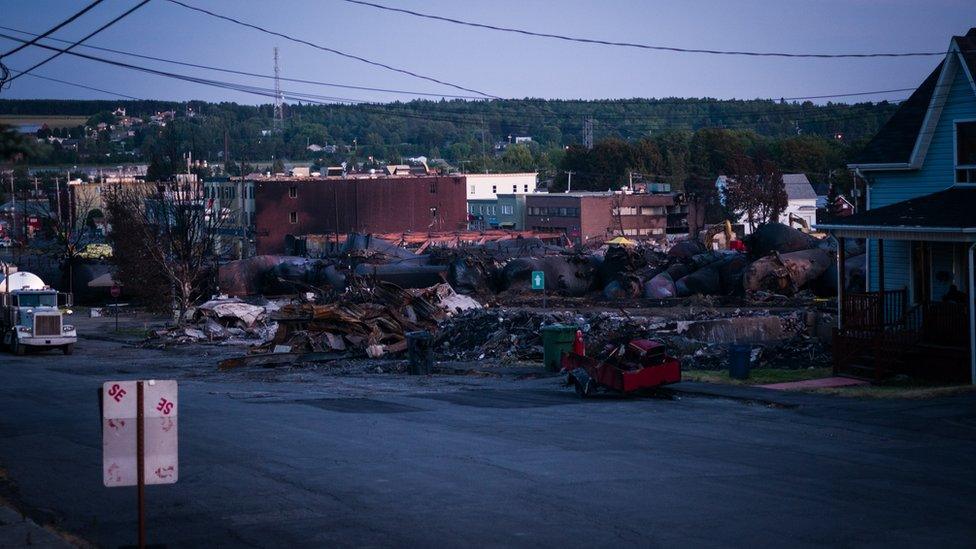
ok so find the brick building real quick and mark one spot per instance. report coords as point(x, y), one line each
point(303, 205)
point(596, 216)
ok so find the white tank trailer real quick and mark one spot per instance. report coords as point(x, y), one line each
point(30, 316)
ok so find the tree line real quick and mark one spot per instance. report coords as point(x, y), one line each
point(474, 135)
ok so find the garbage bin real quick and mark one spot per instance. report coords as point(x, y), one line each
point(739, 358)
point(420, 352)
point(556, 339)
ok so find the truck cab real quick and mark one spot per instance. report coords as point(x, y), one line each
point(31, 317)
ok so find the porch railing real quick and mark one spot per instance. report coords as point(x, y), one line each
point(868, 311)
point(877, 334)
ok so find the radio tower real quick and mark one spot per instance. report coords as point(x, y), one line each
point(588, 132)
point(279, 113)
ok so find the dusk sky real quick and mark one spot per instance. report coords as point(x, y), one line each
point(498, 63)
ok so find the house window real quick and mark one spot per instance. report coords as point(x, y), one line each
point(526, 188)
point(293, 217)
point(966, 152)
point(433, 188)
point(514, 188)
point(293, 192)
point(472, 189)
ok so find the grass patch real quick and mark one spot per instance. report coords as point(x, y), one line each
point(758, 376)
point(908, 391)
point(764, 376)
point(52, 121)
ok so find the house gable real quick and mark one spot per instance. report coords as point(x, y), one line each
point(935, 170)
point(903, 141)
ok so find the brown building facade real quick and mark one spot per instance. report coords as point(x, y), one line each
point(297, 206)
point(595, 217)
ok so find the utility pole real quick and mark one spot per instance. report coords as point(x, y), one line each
point(484, 153)
point(569, 181)
point(13, 205)
point(57, 194)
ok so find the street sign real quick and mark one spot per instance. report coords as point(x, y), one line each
point(120, 418)
point(116, 291)
point(538, 280)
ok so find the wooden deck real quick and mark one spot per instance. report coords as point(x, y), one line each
point(883, 335)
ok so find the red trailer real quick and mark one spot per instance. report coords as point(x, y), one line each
point(640, 364)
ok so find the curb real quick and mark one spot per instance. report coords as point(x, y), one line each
point(767, 397)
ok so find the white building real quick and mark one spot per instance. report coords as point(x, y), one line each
point(801, 199)
point(488, 186)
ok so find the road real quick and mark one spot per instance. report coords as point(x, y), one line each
point(309, 457)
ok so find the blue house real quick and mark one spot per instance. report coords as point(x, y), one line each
point(920, 226)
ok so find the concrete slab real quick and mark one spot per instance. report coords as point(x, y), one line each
point(822, 383)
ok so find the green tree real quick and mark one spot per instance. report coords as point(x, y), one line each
point(518, 158)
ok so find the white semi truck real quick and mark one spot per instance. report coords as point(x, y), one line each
point(30, 316)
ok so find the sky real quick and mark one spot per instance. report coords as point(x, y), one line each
point(497, 63)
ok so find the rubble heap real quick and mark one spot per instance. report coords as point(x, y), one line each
point(371, 319)
point(224, 320)
point(701, 339)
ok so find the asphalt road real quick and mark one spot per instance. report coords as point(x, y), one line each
point(309, 458)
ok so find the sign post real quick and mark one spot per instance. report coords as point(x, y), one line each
point(140, 452)
point(139, 438)
point(116, 291)
point(539, 283)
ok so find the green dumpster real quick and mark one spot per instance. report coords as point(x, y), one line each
point(556, 339)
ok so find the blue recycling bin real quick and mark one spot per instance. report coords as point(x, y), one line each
point(739, 358)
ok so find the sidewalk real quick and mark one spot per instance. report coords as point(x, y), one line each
point(17, 530)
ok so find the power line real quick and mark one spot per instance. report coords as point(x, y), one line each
point(428, 94)
point(5, 73)
point(636, 45)
point(252, 74)
point(331, 50)
point(77, 85)
point(386, 110)
point(86, 37)
point(218, 83)
point(53, 29)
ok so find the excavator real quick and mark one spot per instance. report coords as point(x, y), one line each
point(708, 234)
point(801, 223)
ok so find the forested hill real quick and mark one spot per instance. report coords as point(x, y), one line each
point(416, 127)
point(463, 131)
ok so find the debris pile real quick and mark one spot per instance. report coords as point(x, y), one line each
point(775, 258)
point(701, 340)
point(367, 319)
point(225, 320)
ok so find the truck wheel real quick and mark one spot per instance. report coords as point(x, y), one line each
point(17, 348)
point(68, 349)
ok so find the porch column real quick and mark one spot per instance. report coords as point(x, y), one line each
point(841, 280)
point(972, 314)
point(881, 283)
